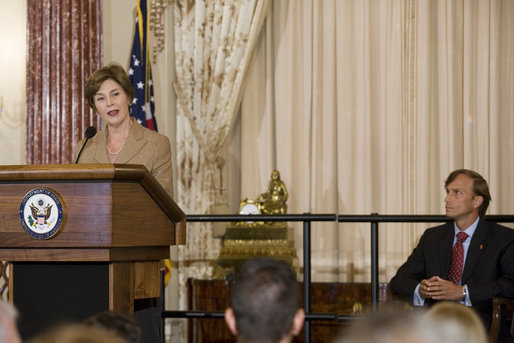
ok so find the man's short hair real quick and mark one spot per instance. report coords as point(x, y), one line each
point(480, 187)
point(265, 299)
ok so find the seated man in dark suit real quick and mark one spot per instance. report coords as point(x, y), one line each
point(265, 303)
point(467, 260)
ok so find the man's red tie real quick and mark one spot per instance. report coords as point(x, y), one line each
point(455, 272)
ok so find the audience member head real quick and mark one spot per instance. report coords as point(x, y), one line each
point(121, 324)
point(8, 330)
point(480, 187)
point(77, 333)
point(387, 327)
point(112, 71)
point(265, 302)
point(456, 323)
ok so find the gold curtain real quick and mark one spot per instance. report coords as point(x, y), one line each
point(64, 46)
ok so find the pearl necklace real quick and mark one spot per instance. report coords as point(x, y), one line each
point(113, 153)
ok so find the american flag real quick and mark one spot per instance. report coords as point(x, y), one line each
point(140, 73)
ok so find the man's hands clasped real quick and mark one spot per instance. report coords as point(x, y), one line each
point(439, 289)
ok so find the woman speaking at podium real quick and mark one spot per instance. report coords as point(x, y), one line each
point(123, 140)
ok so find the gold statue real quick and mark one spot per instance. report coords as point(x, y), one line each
point(274, 200)
point(249, 239)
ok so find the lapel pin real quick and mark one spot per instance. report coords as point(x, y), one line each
point(481, 247)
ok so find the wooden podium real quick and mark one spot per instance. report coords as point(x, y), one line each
point(117, 225)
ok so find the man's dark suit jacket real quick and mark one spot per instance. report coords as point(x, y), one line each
point(488, 269)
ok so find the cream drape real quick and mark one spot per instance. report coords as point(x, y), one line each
point(213, 45)
point(363, 106)
point(366, 106)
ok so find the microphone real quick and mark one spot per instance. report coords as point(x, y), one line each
point(90, 132)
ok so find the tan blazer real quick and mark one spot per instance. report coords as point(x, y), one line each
point(143, 146)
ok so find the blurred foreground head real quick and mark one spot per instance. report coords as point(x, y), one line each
point(387, 327)
point(456, 323)
point(265, 302)
point(8, 330)
point(121, 324)
point(76, 333)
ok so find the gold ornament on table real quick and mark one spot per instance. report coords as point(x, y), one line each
point(250, 239)
point(273, 201)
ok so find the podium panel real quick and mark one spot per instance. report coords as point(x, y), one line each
point(47, 294)
point(116, 226)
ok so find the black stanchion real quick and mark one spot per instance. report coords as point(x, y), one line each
point(307, 218)
point(374, 263)
point(307, 278)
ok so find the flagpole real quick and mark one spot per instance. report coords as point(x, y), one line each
point(147, 51)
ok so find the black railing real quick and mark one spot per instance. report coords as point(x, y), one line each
point(307, 219)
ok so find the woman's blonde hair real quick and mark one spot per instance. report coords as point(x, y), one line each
point(457, 323)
